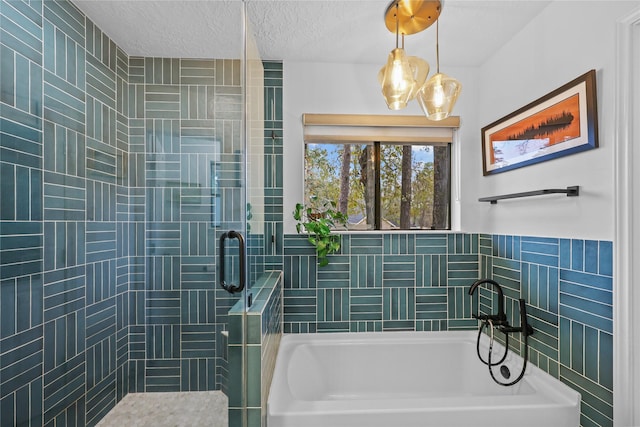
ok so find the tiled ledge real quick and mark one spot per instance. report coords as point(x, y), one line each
point(258, 356)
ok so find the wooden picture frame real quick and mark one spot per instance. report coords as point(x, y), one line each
point(560, 123)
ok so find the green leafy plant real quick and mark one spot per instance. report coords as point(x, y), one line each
point(318, 225)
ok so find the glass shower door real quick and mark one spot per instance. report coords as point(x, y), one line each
point(241, 245)
point(242, 198)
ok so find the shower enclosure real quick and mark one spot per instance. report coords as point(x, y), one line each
point(204, 203)
point(119, 174)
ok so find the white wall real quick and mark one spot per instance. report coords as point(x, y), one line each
point(566, 40)
point(343, 89)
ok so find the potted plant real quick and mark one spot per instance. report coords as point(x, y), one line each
point(318, 225)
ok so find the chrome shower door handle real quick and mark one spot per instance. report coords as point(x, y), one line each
point(232, 289)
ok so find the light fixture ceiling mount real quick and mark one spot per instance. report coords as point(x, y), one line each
point(413, 16)
point(403, 77)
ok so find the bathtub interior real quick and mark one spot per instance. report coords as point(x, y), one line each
point(404, 369)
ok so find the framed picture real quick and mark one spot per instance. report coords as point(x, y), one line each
point(560, 123)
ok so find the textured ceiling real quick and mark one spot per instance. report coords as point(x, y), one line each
point(351, 31)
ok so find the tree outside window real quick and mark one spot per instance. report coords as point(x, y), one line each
point(382, 186)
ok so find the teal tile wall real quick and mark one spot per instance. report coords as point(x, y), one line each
point(273, 167)
point(63, 258)
point(568, 286)
point(381, 282)
point(107, 254)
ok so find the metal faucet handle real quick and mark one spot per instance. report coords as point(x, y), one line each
point(525, 328)
point(495, 319)
point(511, 329)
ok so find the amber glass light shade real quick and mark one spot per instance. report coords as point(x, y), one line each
point(397, 82)
point(438, 96)
point(419, 70)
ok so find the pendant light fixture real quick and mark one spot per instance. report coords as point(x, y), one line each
point(440, 93)
point(402, 78)
point(398, 83)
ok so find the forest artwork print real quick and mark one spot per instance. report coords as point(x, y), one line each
point(560, 123)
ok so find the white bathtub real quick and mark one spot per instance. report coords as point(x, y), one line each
point(405, 379)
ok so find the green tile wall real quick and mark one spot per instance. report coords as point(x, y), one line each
point(381, 282)
point(273, 166)
point(107, 250)
point(63, 262)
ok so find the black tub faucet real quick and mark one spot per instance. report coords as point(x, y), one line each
point(500, 318)
point(499, 322)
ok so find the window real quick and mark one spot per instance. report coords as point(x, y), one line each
point(386, 172)
point(381, 185)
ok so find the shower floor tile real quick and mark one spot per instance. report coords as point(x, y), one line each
point(192, 409)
